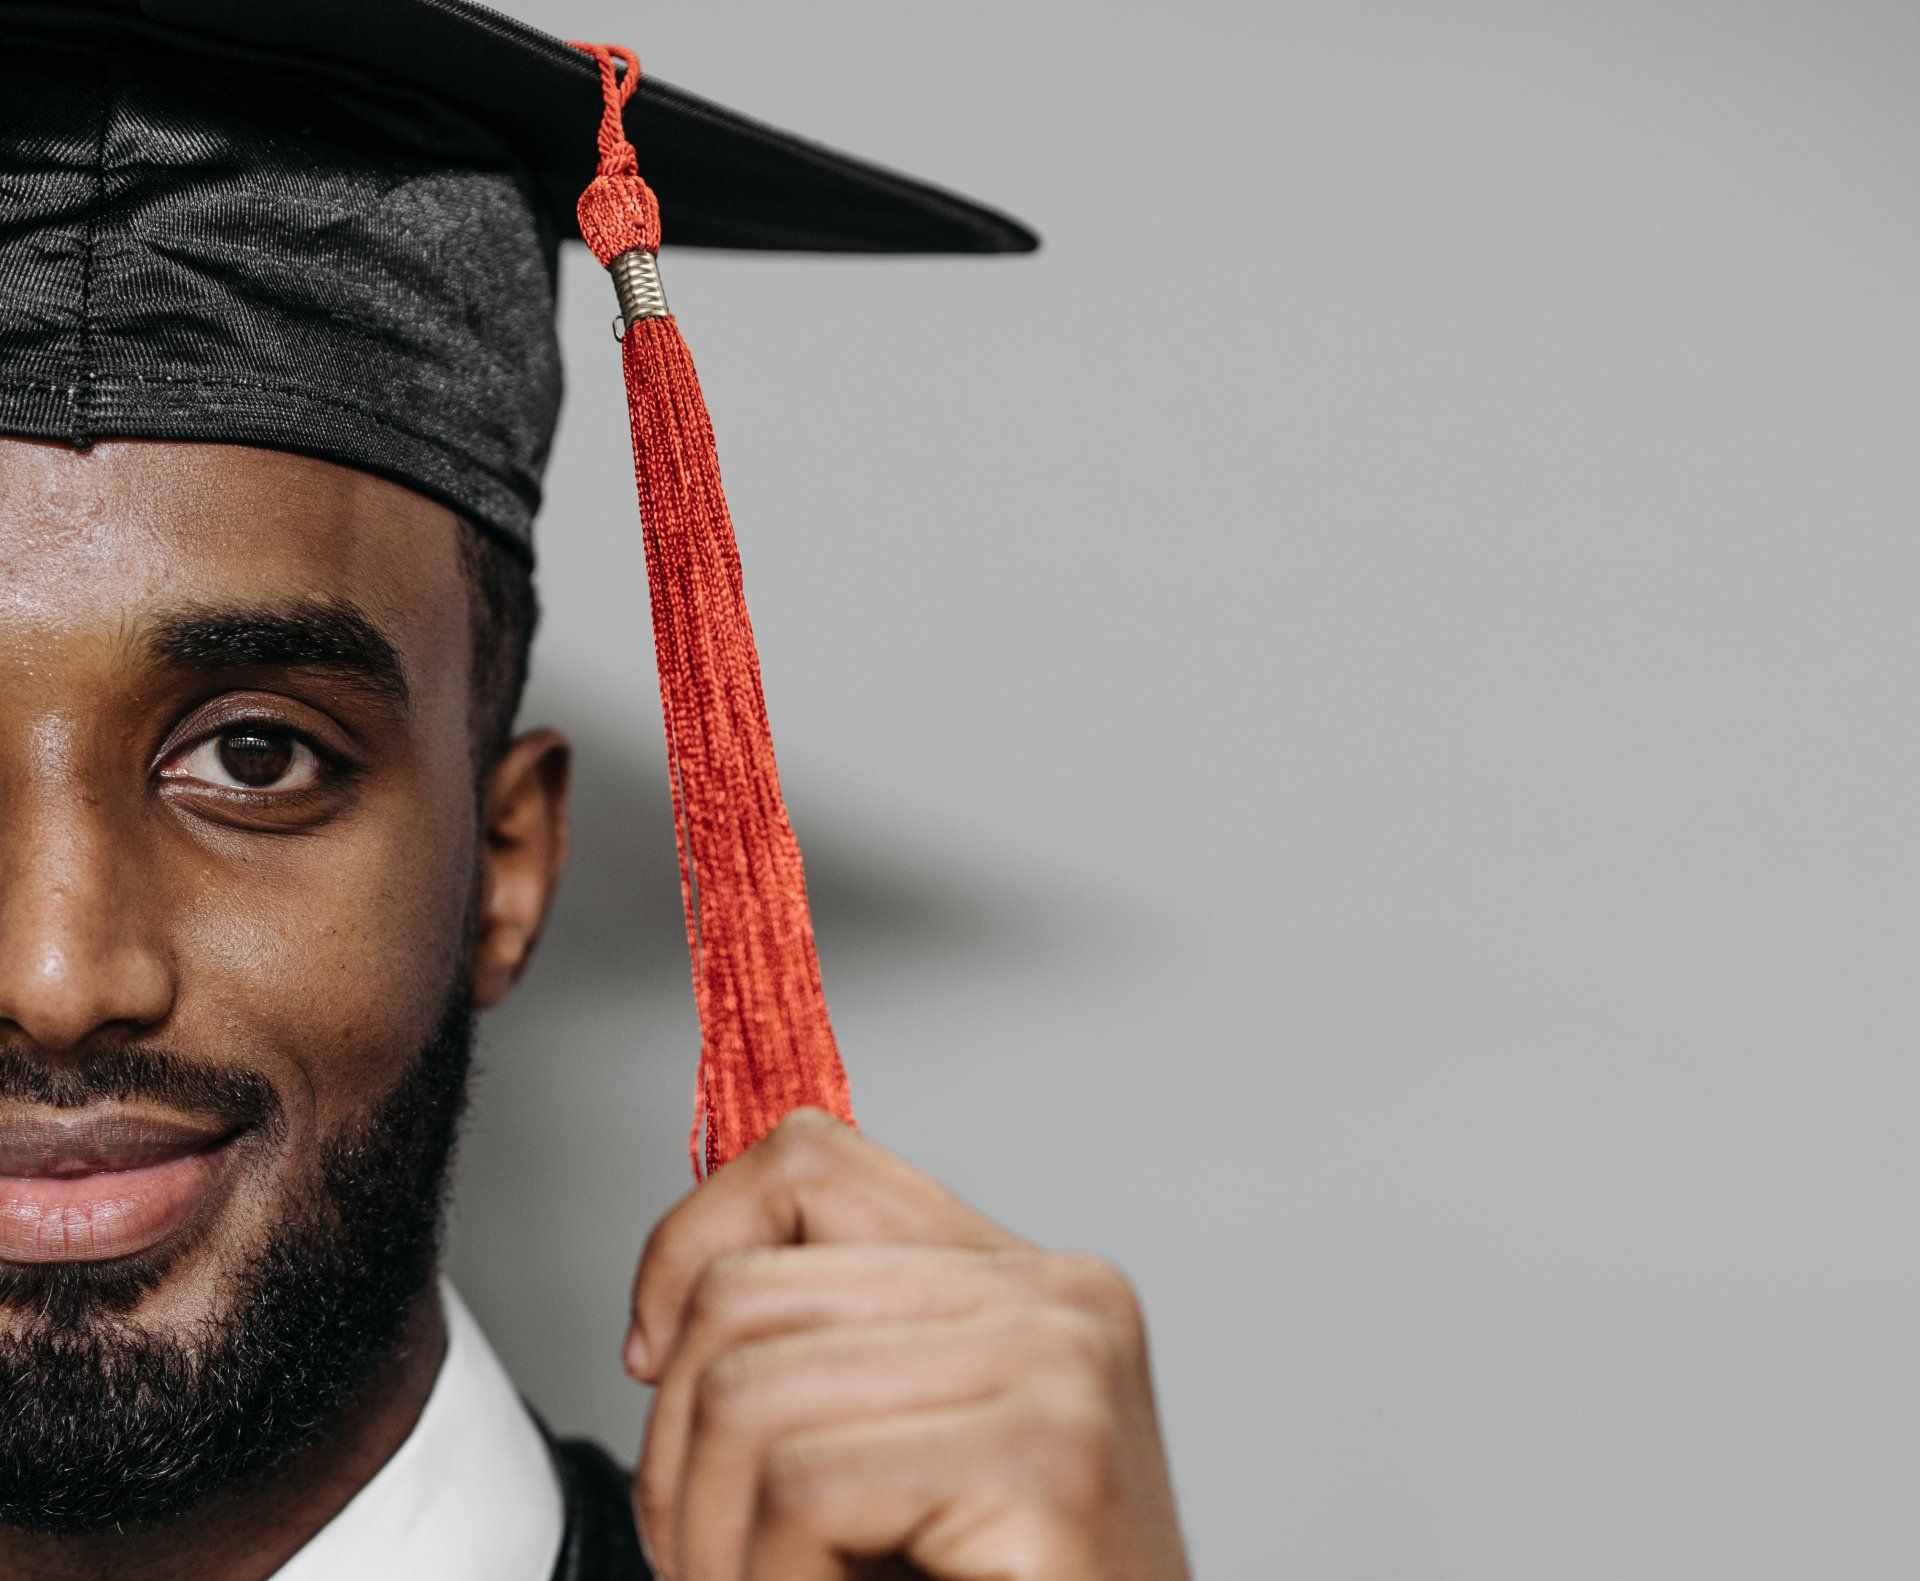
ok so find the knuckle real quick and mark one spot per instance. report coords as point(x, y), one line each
point(1069, 1456)
point(794, 1485)
point(1094, 1281)
point(725, 1395)
point(805, 1140)
point(709, 1293)
point(1072, 1341)
point(1102, 1288)
point(725, 1286)
point(1028, 1264)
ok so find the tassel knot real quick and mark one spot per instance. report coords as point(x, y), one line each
point(619, 213)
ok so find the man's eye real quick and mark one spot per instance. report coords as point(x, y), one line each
point(250, 757)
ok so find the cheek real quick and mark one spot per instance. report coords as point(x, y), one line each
point(329, 956)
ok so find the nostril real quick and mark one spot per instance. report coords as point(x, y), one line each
point(60, 997)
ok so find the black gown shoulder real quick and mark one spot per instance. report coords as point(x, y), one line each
point(600, 1544)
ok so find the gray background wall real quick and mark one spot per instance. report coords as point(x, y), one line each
point(1352, 724)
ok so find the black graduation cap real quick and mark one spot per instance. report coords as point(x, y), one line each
point(331, 226)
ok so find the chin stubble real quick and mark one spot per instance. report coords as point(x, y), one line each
point(103, 1424)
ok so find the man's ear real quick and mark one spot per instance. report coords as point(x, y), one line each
point(523, 848)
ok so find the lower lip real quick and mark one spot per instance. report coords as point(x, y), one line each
point(110, 1213)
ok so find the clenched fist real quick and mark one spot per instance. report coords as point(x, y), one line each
point(858, 1374)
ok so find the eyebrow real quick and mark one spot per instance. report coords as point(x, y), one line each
point(306, 634)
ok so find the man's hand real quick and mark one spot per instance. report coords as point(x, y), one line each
point(859, 1375)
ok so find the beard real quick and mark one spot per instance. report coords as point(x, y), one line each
point(104, 1425)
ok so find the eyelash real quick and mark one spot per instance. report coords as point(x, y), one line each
point(329, 770)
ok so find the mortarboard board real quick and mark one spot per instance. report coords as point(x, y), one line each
point(331, 226)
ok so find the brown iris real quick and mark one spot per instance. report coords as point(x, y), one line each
point(255, 758)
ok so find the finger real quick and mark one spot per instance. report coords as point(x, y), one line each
point(754, 1397)
point(966, 1493)
point(749, 1296)
point(811, 1180)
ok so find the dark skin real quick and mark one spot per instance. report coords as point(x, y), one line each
point(851, 1363)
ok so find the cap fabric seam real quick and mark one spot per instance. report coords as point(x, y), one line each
point(80, 395)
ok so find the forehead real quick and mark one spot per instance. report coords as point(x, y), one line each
point(130, 526)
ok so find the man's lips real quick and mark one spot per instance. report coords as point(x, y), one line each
point(83, 1187)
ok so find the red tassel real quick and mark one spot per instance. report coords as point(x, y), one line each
point(766, 1044)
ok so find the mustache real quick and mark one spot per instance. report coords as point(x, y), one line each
point(234, 1095)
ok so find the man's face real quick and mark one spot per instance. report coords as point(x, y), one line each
point(241, 872)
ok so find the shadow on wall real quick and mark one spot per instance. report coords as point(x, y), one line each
point(617, 924)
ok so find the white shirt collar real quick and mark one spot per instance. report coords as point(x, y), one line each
point(471, 1495)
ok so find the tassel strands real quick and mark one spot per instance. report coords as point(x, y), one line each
point(766, 1044)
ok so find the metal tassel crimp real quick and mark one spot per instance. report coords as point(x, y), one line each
point(636, 279)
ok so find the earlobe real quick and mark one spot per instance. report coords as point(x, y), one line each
point(523, 849)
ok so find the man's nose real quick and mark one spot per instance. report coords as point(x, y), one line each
point(77, 957)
